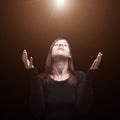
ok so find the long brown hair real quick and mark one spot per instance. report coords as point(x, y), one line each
point(48, 66)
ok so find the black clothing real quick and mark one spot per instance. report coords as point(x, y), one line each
point(58, 100)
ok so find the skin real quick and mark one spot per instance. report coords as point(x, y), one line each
point(60, 55)
point(96, 62)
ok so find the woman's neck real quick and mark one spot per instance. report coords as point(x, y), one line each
point(60, 68)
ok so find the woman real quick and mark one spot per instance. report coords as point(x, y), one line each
point(60, 93)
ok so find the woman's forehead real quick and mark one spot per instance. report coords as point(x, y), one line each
point(61, 41)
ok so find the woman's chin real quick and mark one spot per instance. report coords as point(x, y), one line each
point(60, 56)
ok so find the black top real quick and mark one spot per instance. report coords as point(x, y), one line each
point(58, 100)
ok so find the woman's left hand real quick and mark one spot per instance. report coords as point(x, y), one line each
point(96, 62)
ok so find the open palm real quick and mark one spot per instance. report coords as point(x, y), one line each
point(28, 63)
point(96, 62)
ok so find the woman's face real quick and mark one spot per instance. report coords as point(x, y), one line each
point(61, 48)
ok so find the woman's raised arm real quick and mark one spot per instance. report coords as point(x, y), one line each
point(28, 63)
point(96, 62)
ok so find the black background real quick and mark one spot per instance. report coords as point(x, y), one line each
point(89, 25)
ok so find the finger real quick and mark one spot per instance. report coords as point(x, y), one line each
point(98, 60)
point(93, 65)
point(31, 61)
point(25, 58)
point(23, 55)
point(99, 57)
point(96, 64)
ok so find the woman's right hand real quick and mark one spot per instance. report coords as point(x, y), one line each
point(28, 63)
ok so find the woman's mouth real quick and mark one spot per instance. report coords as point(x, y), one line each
point(60, 49)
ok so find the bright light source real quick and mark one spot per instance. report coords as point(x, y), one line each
point(60, 3)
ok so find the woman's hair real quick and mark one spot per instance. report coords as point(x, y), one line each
point(49, 63)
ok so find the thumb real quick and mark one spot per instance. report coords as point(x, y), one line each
point(31, 61)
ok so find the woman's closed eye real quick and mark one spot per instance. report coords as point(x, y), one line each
point(62, 44)
point(55, 44)
point(65, 45)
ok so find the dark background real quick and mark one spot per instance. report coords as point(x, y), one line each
point(89, 25)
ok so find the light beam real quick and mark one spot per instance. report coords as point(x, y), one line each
point(60, 3)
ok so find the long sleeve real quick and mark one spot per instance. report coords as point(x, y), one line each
point(36, 98)
point(84, 95)
point(91, 74)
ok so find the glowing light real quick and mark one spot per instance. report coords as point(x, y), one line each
point(61, 6)
point(60, 3)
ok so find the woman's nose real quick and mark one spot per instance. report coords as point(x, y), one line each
point(60, 44)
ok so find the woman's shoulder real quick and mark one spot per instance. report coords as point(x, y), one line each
point(32, 71)
point(81, 75)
